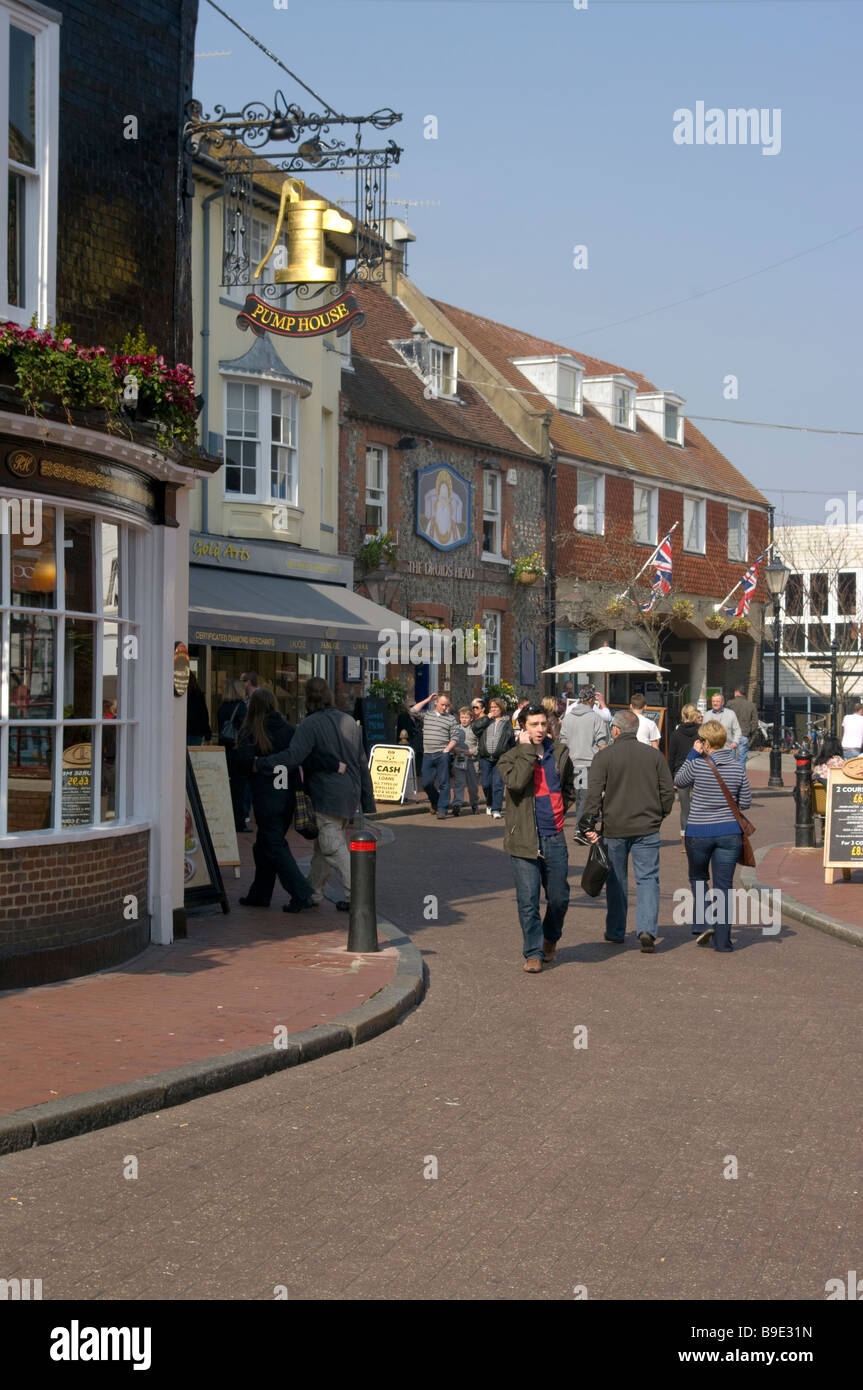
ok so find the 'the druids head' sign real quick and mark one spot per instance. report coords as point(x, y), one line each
point(337, 316)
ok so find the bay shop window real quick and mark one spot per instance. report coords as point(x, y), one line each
point(71, 659)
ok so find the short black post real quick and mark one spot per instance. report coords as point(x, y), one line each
point(804, 829)
point(363, 928)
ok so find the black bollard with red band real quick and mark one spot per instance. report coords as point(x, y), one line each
point(804, 833)
point(363, 928)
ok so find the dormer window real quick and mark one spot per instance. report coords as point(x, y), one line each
point(623, 417)
point(435, 363)
point(613, 397)
point(662, 412)
point(442, 369)
point(559, 379)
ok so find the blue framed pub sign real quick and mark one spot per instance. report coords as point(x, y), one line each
point(443, 507)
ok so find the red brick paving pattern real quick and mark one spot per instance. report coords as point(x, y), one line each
point(225, 988)
point(557, 1167)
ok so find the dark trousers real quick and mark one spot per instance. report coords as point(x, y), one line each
point(548, 871)
point(436, 769)
point(719, 854)
point(273, 858)
point(485, 779)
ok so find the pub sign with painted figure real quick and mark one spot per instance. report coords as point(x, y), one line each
point(443, 507)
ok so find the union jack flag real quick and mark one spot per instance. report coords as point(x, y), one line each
point(747, 587)
point(662, 582)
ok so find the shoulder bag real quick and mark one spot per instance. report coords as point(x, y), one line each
point(747, 854)
point(228, 731)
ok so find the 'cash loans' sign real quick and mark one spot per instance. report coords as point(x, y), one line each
point(389, 767)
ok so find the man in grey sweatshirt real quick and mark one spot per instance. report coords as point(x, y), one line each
point(584, 732)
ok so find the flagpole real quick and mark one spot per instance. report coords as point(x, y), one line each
point(649, 562)
point(717, 606)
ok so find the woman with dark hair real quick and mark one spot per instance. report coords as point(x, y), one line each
point(264, 731)
point(198, 729)
point(679, 750)
point(229, 716)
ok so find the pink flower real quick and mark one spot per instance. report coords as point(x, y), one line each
point(66, 344)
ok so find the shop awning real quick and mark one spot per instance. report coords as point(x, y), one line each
point(261, 612)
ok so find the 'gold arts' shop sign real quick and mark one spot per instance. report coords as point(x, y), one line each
point(337, 316)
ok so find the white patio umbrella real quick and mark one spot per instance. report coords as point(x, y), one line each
point(604, 661)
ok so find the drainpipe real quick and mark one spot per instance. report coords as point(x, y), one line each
point(205, 353)
point(550, 470)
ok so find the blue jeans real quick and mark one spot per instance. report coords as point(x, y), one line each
point(549, 871)
point(743, 749)
point(436, 769)
point(721, 853)
point(645, 863)
point(497, 789)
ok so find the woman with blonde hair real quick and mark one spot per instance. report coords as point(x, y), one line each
point(679, 750)
point(549, 704)
point(714, 840)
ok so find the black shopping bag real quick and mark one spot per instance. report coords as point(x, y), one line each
point(596, 869)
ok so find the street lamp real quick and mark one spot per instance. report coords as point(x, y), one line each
point(776, 577)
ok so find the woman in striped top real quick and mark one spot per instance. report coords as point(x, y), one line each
point(714, 840)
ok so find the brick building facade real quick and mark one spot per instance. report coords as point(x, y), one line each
point(396, 438)
point(92, 738)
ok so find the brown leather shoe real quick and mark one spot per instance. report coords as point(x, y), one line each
point(548, 950)
point(533, 966)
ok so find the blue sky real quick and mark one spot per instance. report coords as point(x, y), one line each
point(555, 129)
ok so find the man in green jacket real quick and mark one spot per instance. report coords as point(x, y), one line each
point(538, 780)
point(630, 788)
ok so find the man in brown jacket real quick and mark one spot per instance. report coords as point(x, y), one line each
point(631, 790)
point(539, 790)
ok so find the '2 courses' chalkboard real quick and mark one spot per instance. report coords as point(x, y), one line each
point(844, 839)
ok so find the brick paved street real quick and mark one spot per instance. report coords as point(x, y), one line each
point(557, 1166)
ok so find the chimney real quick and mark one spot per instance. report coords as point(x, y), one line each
point(397, 235)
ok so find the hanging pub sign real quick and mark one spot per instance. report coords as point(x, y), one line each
point(339, 315)
point(443, 506)
point(307, 221)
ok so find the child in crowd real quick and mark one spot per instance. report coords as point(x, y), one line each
point(464, 771)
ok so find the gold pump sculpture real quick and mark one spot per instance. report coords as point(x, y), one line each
point(308, 219)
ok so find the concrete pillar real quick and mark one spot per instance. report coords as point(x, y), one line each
point(698, 672)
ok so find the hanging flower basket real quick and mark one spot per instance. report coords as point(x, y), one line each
point(527, 569)
point(714, 621)
point(614, 610)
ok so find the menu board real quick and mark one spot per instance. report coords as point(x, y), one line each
point(211, 775)
point(376, 720)
point(390, 766)
point(202, 878)
point(843, 831)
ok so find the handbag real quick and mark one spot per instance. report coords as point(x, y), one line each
point(228, 731)
point(305, 820)
point(596, 869)
point(747, 853)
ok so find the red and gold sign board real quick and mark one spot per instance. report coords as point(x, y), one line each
point(337, 316)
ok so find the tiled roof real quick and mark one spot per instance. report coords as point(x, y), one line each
point(385, 389)
point(591, 437)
